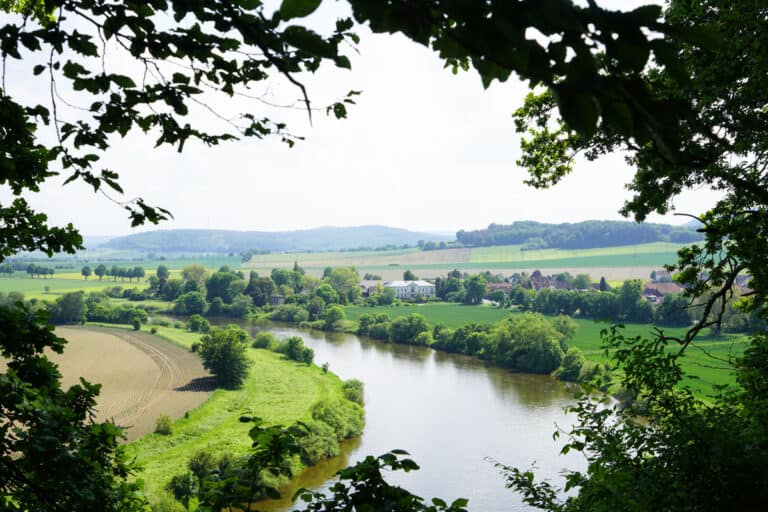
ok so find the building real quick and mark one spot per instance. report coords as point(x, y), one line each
point(406, 290)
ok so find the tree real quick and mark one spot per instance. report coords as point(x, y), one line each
point(194, 277)
point(346, 282)
point(476, 287)
point(100, 271)
point(190, 303)
point(334, 316)
point(69, 309)
point(680, 115)
point(86, 271)
point(162, 272)
point(529, 343)
point(409, 276)
point(672, 311)
point(223, 354)
point(582, 282)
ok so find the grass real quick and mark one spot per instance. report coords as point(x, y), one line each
point(35, 288)
point(705, 371)
point(277, 390)
point(450, 314)
point(510, 253)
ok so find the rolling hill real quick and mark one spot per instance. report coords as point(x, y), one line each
point(225, 241)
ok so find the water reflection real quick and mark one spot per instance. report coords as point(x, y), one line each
point(449, 411)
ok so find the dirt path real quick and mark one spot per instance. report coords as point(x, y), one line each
point(142, 376)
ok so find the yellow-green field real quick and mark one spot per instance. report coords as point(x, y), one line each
point(614, 263)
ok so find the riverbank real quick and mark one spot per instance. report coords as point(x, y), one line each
point(703, 362)
point(277, 390)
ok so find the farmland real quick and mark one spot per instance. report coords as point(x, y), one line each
point(276, 390)
point(612, 262)
point(142, 376)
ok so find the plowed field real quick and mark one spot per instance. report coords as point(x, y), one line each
point(142, 376)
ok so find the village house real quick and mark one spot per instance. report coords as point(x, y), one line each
point(411, 289)
point(367, 287)
point(655, 292)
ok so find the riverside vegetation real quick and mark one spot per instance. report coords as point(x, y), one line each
point(680, 90)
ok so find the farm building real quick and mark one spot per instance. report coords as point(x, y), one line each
point(411, 289)
point(656, 291)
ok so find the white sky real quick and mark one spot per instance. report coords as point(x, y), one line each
point(422, 149)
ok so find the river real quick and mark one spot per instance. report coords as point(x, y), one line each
point(452, 413)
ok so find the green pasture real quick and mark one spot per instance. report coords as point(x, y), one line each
point(451, 314)
point(510, 253)
point(35, 288)
point(704, 360)
point(641, 259)
point(277, 390)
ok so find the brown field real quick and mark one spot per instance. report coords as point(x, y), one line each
point(142, 376)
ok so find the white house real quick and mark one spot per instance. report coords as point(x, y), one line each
point(411, 289)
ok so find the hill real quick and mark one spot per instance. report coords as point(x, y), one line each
point(225, 241)
point(580, 235)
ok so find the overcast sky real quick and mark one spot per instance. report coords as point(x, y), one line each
point(422, 149)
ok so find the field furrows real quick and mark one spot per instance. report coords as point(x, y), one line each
point(142, 376)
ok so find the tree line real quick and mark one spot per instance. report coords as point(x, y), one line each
point(580, 235)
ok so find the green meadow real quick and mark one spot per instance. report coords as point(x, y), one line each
point(704, 361)
point(276, 390)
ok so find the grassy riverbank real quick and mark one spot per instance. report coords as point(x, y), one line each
point(277, 390)
point(703, 362)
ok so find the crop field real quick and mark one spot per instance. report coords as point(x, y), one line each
point(612, 262)
point(142, 376)
point(704, 361)
point(513, 253)
point(276, 390)
point(57, 286)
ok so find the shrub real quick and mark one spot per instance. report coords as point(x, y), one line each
point(202, 464)
point(179, 325)
point(161, 322)
point(197, 323)
point(325, 367)
point(136, 323)
point(353, 390)
point(153, 330)
point(163, 425)
point(571, 368)
point(297, 351)
point(343, 416)
point(319, 443)
point(263, 339)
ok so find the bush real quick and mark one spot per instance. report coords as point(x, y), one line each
point(197, 323)
point(405, 329)
point(153, 330)
point(161, 322)
point(179, 325)
point(353, 390)
point(136, 324)
point(343, 416)
point(290, 313)
point(163, 425)
point(297, 351)
point(195, 346)
point(570, 370)
point(263, 339)
point(319, 443)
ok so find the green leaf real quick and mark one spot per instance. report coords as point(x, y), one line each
point(298, 8)
point(308, 41)
point(579, 111)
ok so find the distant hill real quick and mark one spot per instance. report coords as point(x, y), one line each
point(316, 239)
point(580, 235)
